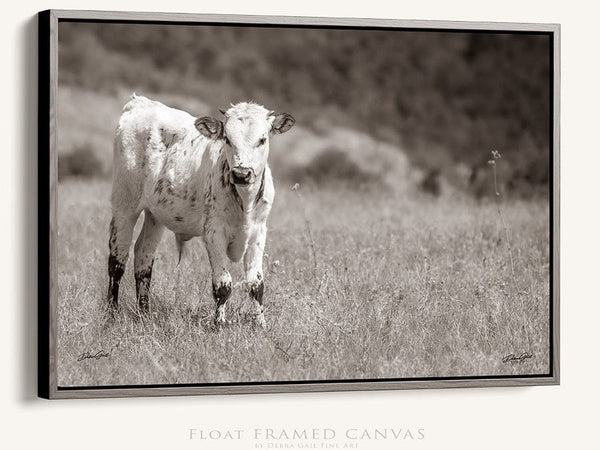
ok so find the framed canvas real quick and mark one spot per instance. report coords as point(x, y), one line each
point(254, 204)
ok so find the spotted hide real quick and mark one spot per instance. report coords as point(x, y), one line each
point(201, 177)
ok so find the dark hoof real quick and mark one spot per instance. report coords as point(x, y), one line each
point(112, 303)
point(109, 315)
point(144, 305)
point(218, 325)
point(259, 322)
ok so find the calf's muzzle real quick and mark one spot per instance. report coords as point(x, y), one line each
point(242, 175)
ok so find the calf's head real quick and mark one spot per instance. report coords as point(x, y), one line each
point(245, 134)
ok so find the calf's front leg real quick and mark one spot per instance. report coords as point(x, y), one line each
point(254, 273)
point(221, 278)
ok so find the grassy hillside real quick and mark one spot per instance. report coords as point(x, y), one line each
point(87, 122)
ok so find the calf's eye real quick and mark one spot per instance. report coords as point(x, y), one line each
point(226, 139)
point(261, 142)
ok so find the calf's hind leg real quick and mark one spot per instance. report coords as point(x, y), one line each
point(145, 247)
point(121, 231)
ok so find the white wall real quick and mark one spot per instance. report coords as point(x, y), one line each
point(553, 417)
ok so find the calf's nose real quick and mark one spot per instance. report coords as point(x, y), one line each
point(241, 175)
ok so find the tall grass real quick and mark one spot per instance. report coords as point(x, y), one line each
point(407, 287)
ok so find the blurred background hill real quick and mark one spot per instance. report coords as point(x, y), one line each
point(430, 104)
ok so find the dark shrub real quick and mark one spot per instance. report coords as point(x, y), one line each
point(333, 166)
point(431, 182)
point(80, 163)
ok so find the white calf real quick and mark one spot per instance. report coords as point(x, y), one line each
point(196, 177)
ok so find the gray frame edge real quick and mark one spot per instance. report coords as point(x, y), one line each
point(47, 221)
point(49, 388)
point(316, 387)
point(70, 14)
point(556, 205)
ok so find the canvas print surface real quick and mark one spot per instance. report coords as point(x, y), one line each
point(279, 204)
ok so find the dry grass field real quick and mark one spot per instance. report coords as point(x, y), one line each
point(403, 287)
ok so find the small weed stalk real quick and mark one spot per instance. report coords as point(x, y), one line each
point(311, 241)
point(492, 162)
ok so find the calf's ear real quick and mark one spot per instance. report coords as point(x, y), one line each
point(282, 123)
point(210, 127)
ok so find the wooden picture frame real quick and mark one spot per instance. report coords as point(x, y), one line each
point(48, 321)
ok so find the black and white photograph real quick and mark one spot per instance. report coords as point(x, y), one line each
point(248, 203)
